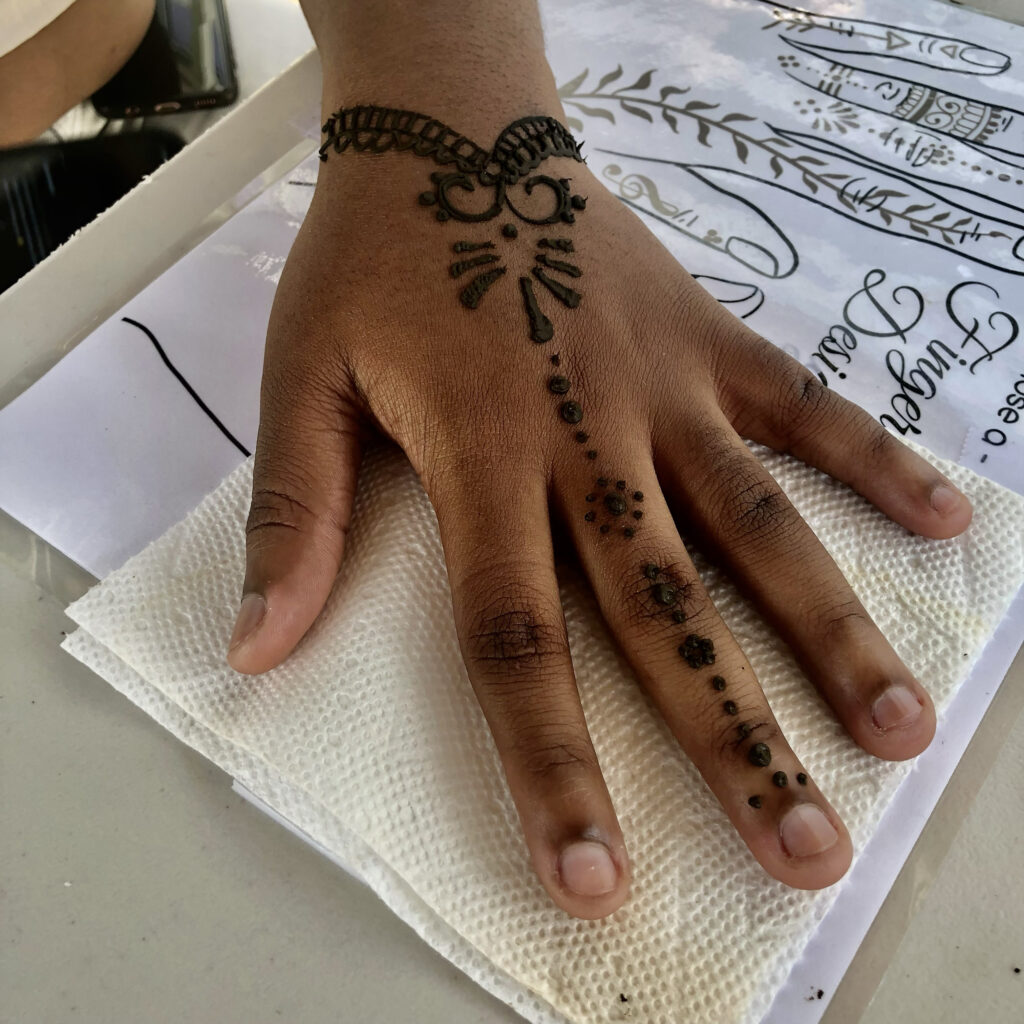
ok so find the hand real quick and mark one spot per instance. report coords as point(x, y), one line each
point(367, 333)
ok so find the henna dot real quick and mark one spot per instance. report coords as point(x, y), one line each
point(590, 517)
point(591, 497)
point(664, 593)
point(437, 177)
point(559, 386)
point(579, 203)
point(510, 231)
point(651, 571)
point(780, 780)
point(628, 531)
point(755, 801)
point(638, 514)
point(730, 708)
point(427, 199)
point(592, 454)
point(801, 778)
point(572, 412)
point(744, 729)
point(441, 215)
point(679, 615)
point(620, 485)
point(555, 360)
point(605, 527)
point(602, 481)
point(718, 682)
point(615, 505)
point(697, 651)
point(582, 437)
point(760, 754)
point(638, 495)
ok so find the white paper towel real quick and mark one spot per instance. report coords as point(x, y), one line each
point(370, 740)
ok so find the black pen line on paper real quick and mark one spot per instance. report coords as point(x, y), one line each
point(188, 387)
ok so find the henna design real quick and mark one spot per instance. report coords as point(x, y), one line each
point(565, 295)
point(697, 651)
point(520, 149)
point(566, 268)
point(760, 755)
point(541, 329)
point(561, 244)
point(572, 412)
point(458, 268)
point(471, 295)
point(518, 152)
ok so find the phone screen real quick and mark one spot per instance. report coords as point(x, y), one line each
point(184, 62)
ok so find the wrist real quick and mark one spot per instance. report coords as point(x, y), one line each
point(474, 67)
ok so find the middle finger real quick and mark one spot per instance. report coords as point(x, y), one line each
point(686, 659)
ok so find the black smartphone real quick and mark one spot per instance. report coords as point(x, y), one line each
point(48, 192)
point(184, 62)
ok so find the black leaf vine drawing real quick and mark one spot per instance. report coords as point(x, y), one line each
point(822, 172)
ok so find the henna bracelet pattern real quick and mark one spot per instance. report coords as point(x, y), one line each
point(519, 150)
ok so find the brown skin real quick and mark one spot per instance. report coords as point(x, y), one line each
point(366, 335)
point(65, 62)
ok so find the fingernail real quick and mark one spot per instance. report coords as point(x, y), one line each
point(897, 706)
point(587, 869)
point(250, 615)
point(983, 58)
point(806, 831)
point(944, 498)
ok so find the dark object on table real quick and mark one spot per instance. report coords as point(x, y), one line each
point(48, 192)
point(184, 62)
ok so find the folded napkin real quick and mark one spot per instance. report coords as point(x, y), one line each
point(370, 740)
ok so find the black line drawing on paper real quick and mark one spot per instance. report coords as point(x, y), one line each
point(995, 131)
point(830, 33)
point(188, 387)
point(822, 172)
point(745, 298)
point(739, 228)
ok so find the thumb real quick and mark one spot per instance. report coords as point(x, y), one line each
point(304, 481)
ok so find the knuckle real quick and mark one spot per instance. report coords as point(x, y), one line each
point(800, 401)
point(546, 758)
point(750, 726)
point(277, 508)
point(881, 444)
point(842, 624)
point(761, 508)
point(515, 634)
point(746, 499)
point(280, 508)
point(664, 600)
